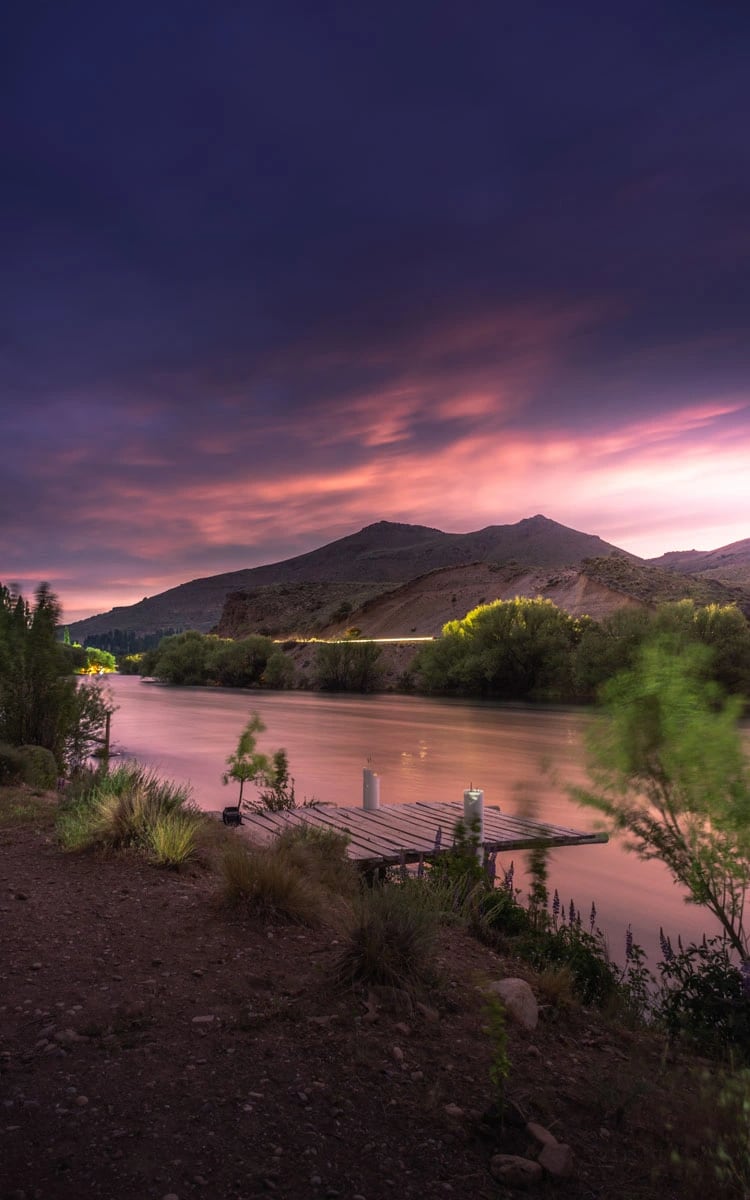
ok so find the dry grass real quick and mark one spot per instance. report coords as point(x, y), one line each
point(269, 884)
point(391, 940)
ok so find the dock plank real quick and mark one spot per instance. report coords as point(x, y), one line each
point(406, 832)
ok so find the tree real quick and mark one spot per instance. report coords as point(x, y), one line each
point(246, 764)
point(347, 666)
point(514, 649)
point(41, 703)
point(668, 770)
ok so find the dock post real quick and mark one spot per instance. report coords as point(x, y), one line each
point(473, 813)
point(370, 790)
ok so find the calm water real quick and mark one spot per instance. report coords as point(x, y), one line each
point(423, 749)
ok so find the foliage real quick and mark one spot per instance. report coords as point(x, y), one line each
point(613, 645)
point(321, 855)
point(121, 809)
point(276, 793)
point(11, 764)
point(511, 649)
point(500, 1064)
point(39, 766)
point(41, 703)
point(247, 764)
point(198, 659)
point(130, 664)
point(172, 838)
point(98, 662)
point(347, 666)
point(268, 882)
point(458, 872)
point(731, 1149)
point(391, 940)
point(667, 768)
point(704, 998)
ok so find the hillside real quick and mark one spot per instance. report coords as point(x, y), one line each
point(383, 553)
point(729, 564)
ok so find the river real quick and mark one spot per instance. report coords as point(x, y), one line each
point(423, 749)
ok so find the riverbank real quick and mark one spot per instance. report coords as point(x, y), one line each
point(155, 1044)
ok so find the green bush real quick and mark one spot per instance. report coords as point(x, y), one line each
point(11, 764)
point(703, 999)
point(172, 837)
point(39, 767)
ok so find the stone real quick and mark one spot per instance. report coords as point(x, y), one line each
point(540, 1134)
point(557, 1160)
point(515, 1171)
point(453, 1110)
point(206, 1020)
point(519, 1001)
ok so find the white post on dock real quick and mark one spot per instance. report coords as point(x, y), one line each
point(473, 812)
point(370, 790)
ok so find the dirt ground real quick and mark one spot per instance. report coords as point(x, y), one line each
point(153, 1044)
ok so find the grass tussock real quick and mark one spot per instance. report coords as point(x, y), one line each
point(392, 939)
point(131, 807)
point(268, 884)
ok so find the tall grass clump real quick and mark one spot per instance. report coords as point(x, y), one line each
point(320, 855)
point(391, 940)
point(130, 807)
point(265, 881)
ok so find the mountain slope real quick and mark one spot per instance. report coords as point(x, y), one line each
point(385, 553)
point(729, 564)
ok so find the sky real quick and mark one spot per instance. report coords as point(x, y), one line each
point(273, 272)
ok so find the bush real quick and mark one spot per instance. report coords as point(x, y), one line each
point(391, 940)
point(595, 979)
point(320, 854)
point(704, 1000)
point(11, 764)
point(270, 885)
point(172, 838)
point(39, 767)
point(122, 809)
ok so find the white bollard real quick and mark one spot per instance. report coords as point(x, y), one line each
point(370, 790)
point(473, 812)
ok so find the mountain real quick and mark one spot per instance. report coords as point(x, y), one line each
point(384, 553)
point(729, 564)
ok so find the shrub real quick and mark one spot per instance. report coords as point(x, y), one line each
point(120, 809)
point(11, 764)
point(39, 766)
point(320, 854)
point(172, 838)
point(703, 998)
point(270, 885)
point(391, 940)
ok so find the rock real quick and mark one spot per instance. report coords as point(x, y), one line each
point(453, 1110)
point(557, 1160)
point(207, 1020)
point(540, 1134)
point(397, 1054)
point(519, 1001)
point(430, 1014)
point(515, 1171)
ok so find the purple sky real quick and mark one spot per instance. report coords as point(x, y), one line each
point(273, 272)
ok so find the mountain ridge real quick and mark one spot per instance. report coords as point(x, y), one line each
point(385, 552)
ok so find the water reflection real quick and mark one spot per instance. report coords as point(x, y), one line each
point(423, 749)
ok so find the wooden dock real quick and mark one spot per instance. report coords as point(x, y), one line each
point(409, 833)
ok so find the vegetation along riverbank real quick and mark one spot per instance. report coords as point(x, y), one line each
point(185, 1013)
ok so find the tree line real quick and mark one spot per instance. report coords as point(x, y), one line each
point(526, 649)
point(521, 649)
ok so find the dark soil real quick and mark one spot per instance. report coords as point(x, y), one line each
point(154, 1044)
